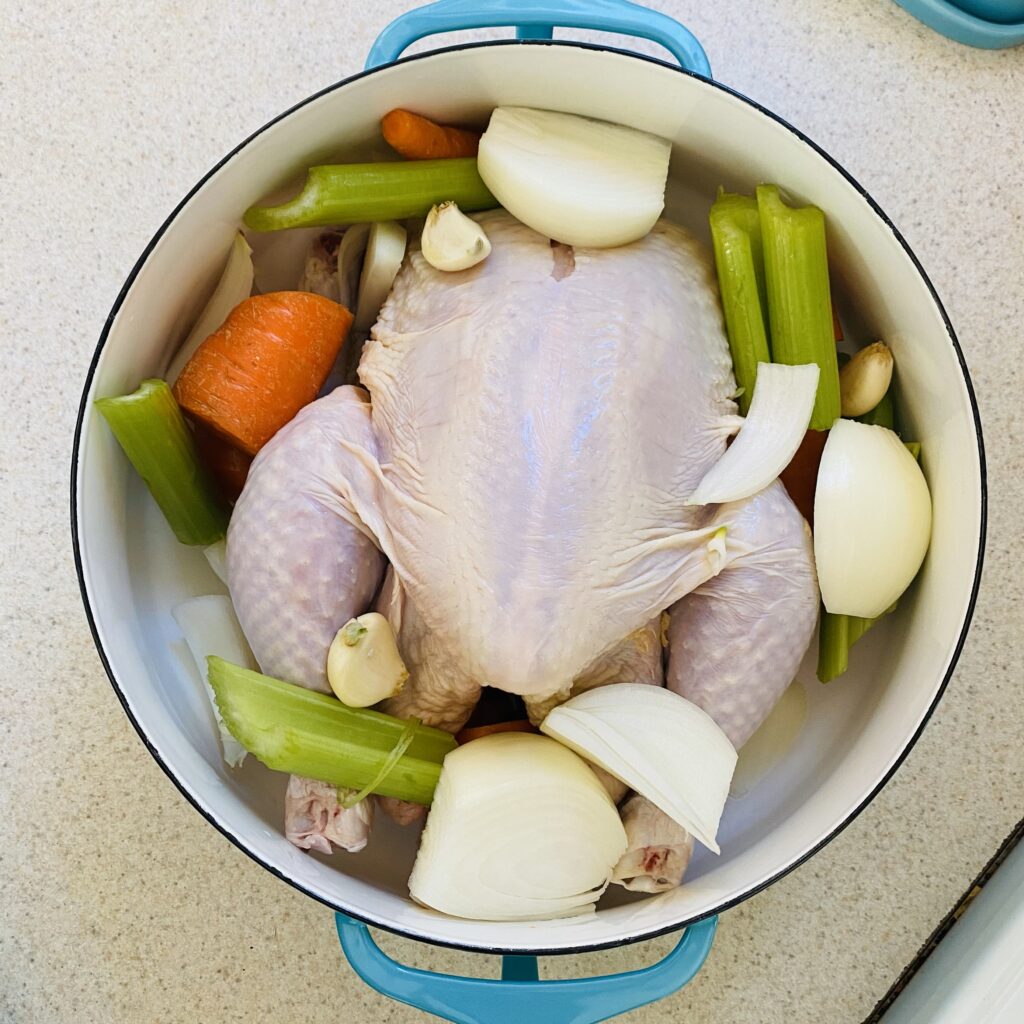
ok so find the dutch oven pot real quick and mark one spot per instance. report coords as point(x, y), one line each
point(857, 732)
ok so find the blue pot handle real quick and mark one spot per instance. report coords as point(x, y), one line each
point(519, 997)
point(536, 19)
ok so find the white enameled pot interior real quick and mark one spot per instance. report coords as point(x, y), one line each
point(857, 729)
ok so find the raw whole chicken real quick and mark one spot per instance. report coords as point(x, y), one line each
point(521, 455)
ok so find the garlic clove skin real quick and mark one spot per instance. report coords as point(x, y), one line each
point(363, 663)
point(452, 241)
point(864, 380)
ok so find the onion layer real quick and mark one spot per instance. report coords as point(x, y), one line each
point(775, 425)
point(210, 627)
point(217, 557)
point(872, 519)
point(520, 829)
point(385, 250)
point(351, 253)
point(235, 284)
point(656, 742)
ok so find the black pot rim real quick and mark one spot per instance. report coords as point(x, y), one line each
point(782, 872)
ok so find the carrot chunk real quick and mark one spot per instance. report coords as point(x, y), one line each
point(800, 477)
point(476, 731)
point(228, 465)
point(266, 361)
point(418, 138)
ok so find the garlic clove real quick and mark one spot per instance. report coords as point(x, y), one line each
point(451, 240)
point(864, 380)
point(363, 663)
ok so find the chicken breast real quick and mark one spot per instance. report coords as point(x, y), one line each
point(538, 433)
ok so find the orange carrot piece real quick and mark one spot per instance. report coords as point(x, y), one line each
point(419, 138)
point(476, 731)
point(265, 362)
point(800, 477)
point(228, 465)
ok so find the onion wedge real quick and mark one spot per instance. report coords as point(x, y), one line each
point(572, 179)
point(350, 263)
point(657, 743)
point(217, 557)
point(872, 519)
point(210, 626)
point(520, 829)
point(770, 435)
point(385, 250)
point(235, 284)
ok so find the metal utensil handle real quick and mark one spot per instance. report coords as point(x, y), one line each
point(519, 997)
point(537, 20)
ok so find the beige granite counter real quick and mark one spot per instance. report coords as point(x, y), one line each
point(118, 903)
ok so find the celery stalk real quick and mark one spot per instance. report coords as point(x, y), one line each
point(355, 193)
point(836, 635)
point(833, 645)
point(736, 234)
point(858, 626)
point(799, 301)
point(387, 766)
point(291, 729)
point(150, 428)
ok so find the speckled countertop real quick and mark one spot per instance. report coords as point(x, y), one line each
point(118, 903)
